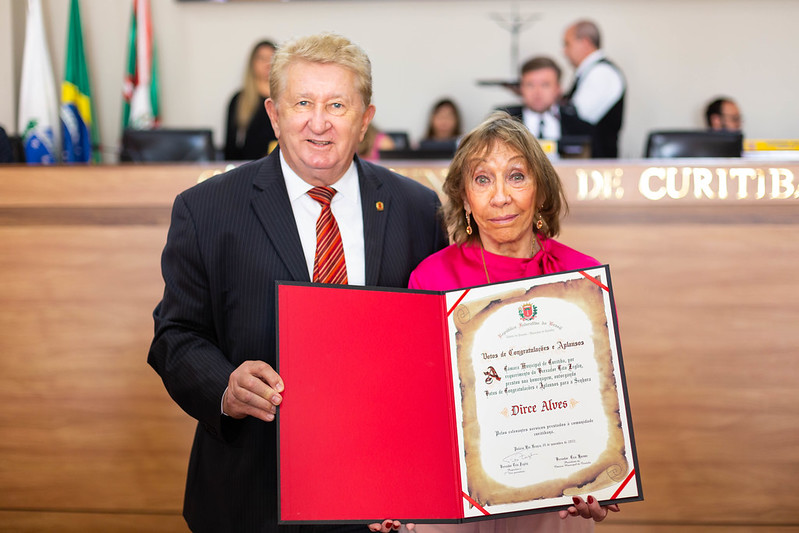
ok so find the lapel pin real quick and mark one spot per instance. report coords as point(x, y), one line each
point(379, 206)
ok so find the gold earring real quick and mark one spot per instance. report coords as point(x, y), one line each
point(468, 225)
point(540, 222)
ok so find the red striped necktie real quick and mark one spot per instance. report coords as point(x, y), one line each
point(328, 265)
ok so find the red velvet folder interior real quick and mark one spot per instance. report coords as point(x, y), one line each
point(368, 370)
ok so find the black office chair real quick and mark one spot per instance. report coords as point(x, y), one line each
point(17, 149)
point(400, 139)
point(698, 143)
point(409, 154)
point(6, 147)
point(167, 145)
point(575, 147)
point(445, 147)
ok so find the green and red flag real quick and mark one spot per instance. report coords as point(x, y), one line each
point(140, 88)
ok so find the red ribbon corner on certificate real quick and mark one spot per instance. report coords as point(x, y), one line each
point(477, 505)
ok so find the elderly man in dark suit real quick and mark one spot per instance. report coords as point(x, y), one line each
point(310, 211)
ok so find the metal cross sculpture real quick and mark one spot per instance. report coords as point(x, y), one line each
point(514, 23)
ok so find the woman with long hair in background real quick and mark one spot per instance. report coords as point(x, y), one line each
point(249, 132)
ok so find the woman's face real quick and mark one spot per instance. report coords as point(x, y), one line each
point(262, 62)
point(444, 121)
point(500, 194)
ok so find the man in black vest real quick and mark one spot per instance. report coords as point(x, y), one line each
point(599, 87)
point(541, 112)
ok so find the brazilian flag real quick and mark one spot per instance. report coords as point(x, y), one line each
point(79, 127)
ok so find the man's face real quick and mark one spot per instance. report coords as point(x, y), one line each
point(319, 119)
point(575, 49)
point(540, 89)
point(730, 118)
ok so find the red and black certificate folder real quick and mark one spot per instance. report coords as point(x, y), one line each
point(423, 406)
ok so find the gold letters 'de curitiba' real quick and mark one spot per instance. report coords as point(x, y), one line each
point(653, 183)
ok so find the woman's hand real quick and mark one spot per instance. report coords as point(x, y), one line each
point(588, 509)
point(389, 526)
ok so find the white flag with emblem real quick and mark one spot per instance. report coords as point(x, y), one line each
point(38, 102)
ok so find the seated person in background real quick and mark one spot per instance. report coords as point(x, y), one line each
point(722, 114)
point(249, 132)
point(443, 127)
point(373, 141)
point(541, 113)
point(599, 87)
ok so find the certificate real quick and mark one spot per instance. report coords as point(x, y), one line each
point(450, 406)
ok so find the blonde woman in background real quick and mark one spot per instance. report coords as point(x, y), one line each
point(249, 131)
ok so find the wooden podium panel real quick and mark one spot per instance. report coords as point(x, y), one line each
point(706, 290)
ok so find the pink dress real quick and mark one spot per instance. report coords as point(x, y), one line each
point(458, 266)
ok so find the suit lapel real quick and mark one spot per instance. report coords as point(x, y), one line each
point(272, 207)
point(375, 203)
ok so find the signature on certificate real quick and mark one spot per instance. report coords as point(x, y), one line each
point(518, 456)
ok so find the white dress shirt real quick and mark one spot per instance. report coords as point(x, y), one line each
point(346, 208)
point(551, 123)
point(600, 88)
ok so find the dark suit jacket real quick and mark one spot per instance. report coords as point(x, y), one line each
point(231, 237)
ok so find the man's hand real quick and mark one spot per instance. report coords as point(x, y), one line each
point(253, 390)
point(588, 509)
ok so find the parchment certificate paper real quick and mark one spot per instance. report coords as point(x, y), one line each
point(537, 371)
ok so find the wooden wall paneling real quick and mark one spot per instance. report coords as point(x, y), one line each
point(87, 424)
point(706, 313)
